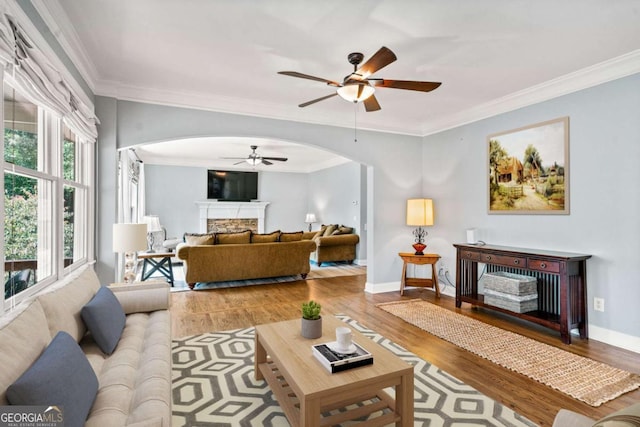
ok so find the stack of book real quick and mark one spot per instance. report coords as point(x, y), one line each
point(336, 361)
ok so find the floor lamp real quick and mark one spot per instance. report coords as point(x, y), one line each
point(128, 239)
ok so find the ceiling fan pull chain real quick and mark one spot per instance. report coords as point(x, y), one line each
point(355, 122)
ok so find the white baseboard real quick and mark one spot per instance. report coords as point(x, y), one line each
point(362, 262)
point(617, 339)
point(378, 288)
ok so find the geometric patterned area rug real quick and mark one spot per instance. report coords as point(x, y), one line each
point(584, 379)
point(214, 385)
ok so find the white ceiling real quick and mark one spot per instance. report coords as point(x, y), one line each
point(212, 152)
point(490, 55)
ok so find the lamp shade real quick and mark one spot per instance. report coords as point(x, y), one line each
point(153, 223)
point(420, 212)
point(129, 237)
point(310, 218)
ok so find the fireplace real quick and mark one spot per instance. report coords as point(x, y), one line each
point(231, 225)
point(228, 216)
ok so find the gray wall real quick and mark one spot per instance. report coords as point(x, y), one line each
point(171, 193)
point(287, 197)
point(393, 161)
point(604, 147)
point(336, 195)
point(173, 190)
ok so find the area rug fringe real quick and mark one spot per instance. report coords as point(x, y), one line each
point(579, 377)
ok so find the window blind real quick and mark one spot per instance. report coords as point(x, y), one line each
point(28, 70)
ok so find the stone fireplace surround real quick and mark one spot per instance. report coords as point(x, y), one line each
point(212, 211)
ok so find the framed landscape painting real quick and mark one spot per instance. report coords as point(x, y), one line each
point(529, 169)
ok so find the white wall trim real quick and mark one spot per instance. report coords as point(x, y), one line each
point(378, 288)
point(618, 339)
point(616, 68)
point(360, 262)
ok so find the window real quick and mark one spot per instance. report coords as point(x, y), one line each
point(47, 188)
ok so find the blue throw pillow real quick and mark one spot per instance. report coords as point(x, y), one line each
point(61, 376)
point(105, 319)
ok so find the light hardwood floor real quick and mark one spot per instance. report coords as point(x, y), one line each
point(195, 312)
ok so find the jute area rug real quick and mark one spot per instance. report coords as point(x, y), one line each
point(214, 385)
point(322, 272)
point(581, 378)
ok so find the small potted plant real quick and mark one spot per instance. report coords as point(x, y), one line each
point(311, 320)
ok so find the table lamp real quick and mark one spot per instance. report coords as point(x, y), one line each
point(419, 213)
point(153, 226)
point(128, 239)
point(310, 219)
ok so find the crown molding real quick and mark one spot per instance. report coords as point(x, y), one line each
point(63, 30)
point(241, 106)
point(615, 68)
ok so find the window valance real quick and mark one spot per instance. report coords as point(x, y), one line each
point(30, 72)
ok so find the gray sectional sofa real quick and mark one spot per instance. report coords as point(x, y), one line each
point(129, 387)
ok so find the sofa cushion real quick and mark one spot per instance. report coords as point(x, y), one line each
point(135, 381)
point(242, 237)
point(199, 239)
point(330, 229)
point(61, 376)
point(291, 237)
point(105, 319)
point(26, 329)
point(63, 302)
point(343, 230)
point(265, 238)
point(629, 416)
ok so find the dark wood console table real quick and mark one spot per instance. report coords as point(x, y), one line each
point(561, 282)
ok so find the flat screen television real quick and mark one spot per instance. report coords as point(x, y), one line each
point(232, 186)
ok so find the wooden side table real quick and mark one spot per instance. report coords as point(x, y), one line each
point(163, 265)
point(410, 258)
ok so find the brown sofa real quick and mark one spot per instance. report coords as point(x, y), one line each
point(228, 259)
point(333, 247)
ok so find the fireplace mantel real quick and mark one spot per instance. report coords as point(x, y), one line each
point(211, 209)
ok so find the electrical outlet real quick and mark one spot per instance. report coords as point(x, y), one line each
point(443, 270)
point(598, 304)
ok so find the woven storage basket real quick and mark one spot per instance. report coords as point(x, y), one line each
point(510, 283)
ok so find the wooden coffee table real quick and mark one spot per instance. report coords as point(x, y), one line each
point(305, 389)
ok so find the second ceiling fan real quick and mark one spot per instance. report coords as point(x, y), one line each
point(254, 159)
point(358, 87)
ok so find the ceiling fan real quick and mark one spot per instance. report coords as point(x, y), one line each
point(358, 87)
point(254, 159)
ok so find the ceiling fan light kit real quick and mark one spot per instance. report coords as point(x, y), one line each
point(356, 92)
point(357, 87)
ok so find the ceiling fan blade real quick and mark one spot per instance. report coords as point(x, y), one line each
point(405, 84)
point(306, 76)
point(266, 162)
point(239, 163)
point(317, 100)
point(277, 159)
point(233, 158)
point(379, 60)
point(371, 104)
